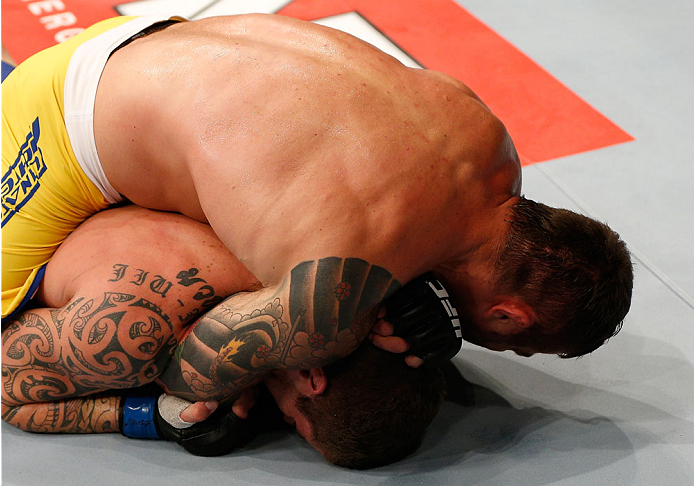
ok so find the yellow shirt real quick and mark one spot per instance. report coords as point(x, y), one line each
point(45, 193)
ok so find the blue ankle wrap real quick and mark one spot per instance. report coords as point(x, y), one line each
point(138, 418)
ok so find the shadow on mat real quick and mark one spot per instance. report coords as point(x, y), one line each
point(479, 436)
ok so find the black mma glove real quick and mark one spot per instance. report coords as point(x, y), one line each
point(422, 314)
point(159, 418)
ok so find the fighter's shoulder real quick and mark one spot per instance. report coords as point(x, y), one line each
point(250, 26)
point(140, 246)
point(484, 131)
point(483, 140)
point(446, 80)
point(93, 246)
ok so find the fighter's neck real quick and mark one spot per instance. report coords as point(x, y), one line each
point(483, 239)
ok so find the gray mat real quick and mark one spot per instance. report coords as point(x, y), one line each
point(623, 415)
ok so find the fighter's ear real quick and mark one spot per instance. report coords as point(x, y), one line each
point(317, 381)
point(512, 315)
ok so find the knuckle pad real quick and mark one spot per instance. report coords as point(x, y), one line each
point(422, 314)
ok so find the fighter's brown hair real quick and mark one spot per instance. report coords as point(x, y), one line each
point(374, 410)
point(576, 274)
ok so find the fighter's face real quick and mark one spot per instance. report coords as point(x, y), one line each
point(493, 340)
point(494, 337)
point(283, 389)
point(483, 326)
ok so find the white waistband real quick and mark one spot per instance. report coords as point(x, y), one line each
point(81, 81)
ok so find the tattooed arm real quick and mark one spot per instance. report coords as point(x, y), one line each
point(85, 415)
point(119, 310)
point(118, 341)
point(320, 313)
point(114, 312)
point(89, 345)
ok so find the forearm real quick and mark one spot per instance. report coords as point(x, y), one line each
point(88, 415)
point(319, 314)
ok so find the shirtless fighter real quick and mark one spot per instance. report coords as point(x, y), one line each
point(324, 165)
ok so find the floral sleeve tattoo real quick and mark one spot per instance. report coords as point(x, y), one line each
point(319, 314)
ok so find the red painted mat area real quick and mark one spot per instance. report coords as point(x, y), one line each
point(545, 118)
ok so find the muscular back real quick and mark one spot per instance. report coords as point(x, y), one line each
point(297, 142)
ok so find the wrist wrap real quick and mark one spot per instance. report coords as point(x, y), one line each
point(138, 418)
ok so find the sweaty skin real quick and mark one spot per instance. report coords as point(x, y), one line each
point(297, 142)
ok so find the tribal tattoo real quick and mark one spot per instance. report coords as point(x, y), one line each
point(319, 314)
point(88, 346)
point(95, 414)
point(116, 341)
